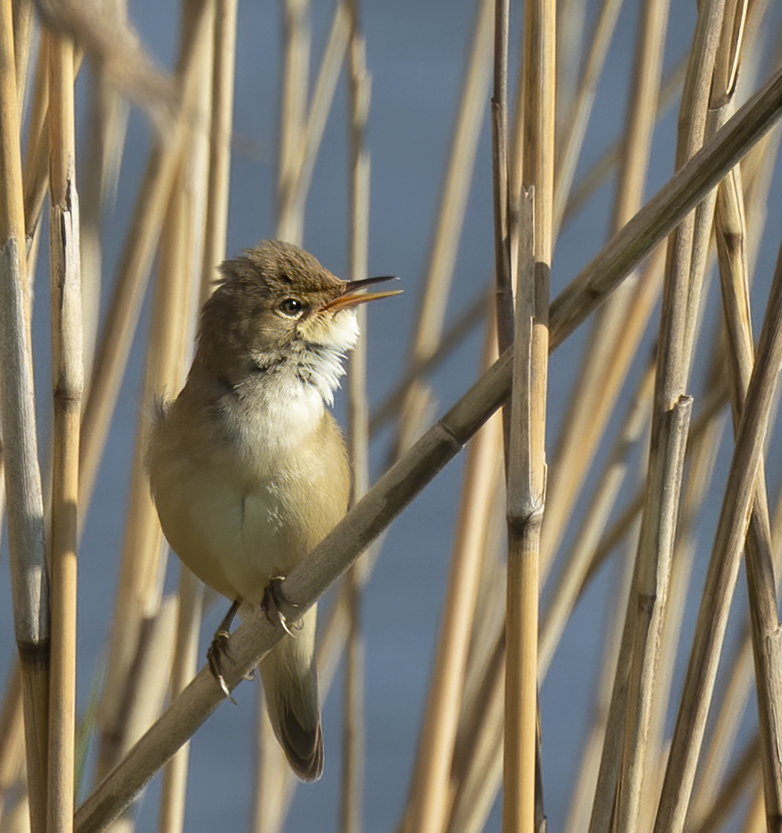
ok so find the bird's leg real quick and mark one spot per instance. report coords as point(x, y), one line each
point(274, 604)
point(219, 648)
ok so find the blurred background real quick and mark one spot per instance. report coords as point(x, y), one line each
point(416, 53)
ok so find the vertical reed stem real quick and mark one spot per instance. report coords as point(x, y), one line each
point(353, 718)
point(26, 534)
point(526, 497)
point(527, 464)
point(68, 382)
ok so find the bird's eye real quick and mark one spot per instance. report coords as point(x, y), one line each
point(292, 307)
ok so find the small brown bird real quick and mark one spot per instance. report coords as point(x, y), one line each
point(247, 466)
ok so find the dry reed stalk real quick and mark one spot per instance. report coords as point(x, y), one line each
point(612, 342)
point(670, 424)
point(26, 531)
point(19, 818)
point(184, 254)
point(575, 125)
point(11, 737)
point(701, 452)
point(731, 235)
point(522, 810)
point(353, 719)
point(142, 567)
point(138, 252)
point(661, 213)
point(185, 664)
point(480, 768)
point(760, 570)
point(454, 335)
point(503, 272)
point(428, 802)
point(318, 113)
point(215, 197)
point(585, 188)
point(450, 216)
point(580, 812)
point(274, 783)
point(722, 740)
point(156, 651)
point(571, 576)
point(68, 385)
point(571, 26)
point(138, 589)
point(713, 405)
point(615, 718)
point(692, 129)
point(2, 483)
point(439, 445)
point(23, 28)
point(474, 312)
point(522, 807)
point(296, 46)
point(107, 123)
point(688, 246)
point(476, 770)
point(216, 227)
point(755, 820)
point(653, 567)
point(723, 570)
point(526, 484)
point(36, 163)
point(745, 773)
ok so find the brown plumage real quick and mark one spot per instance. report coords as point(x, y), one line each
point(247, 466)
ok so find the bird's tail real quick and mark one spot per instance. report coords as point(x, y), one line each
point(290, 683)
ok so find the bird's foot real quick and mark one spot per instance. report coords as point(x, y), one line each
point(274, 604)
point(215, 655)
point(218, 650)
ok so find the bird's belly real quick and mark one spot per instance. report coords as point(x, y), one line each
point(234, 538)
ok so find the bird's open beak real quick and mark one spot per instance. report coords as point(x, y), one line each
point(354, 293)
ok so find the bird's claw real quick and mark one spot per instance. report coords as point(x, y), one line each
point(274, 602)
point(214, 656)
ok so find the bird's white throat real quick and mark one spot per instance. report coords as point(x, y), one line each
point(284, 404)
point(321, 362)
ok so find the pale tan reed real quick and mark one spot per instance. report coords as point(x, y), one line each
point(450, 216)
point(612, 342)
point(26, 537)
point(68, 385)
point(353, 714)
point(139, 590)
point(521, 810)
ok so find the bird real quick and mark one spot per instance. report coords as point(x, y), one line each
point(248, 468)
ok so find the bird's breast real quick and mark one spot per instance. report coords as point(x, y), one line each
point(248, 495)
